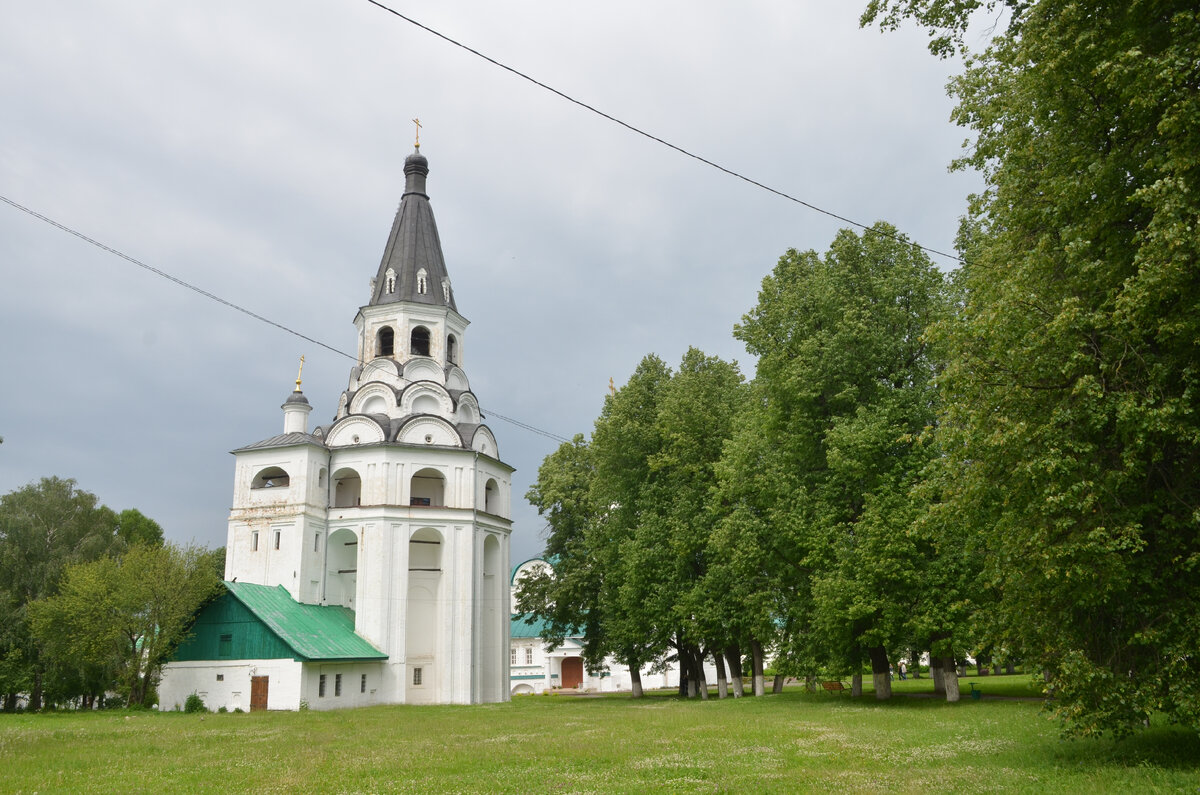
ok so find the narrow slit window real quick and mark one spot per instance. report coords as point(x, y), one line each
point(416, 676)
point(337, 684)
point(321, 686)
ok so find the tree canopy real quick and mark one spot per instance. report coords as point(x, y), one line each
point(1070, 391)
point(90, 599)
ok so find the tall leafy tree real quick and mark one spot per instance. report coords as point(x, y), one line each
point(134, 527)
point(44, 527)
point(567, 599)
point(848, 379)
point(1071, 396)
point(626, 436)
point(629, 518)
point(695, 417)
point(126, 615)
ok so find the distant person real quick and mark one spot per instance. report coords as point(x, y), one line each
point(903, 670)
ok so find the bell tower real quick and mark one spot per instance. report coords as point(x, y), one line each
point(400, 508)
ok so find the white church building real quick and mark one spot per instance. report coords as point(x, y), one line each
point(366, 560)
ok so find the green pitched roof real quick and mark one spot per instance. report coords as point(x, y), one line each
point(524, 625)
point(314, 632)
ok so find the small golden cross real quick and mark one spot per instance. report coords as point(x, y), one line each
point(299, 373)
point(418, 123)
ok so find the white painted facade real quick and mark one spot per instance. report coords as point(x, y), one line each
point(399, 510)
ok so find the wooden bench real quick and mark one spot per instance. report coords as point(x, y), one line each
point(834, 687)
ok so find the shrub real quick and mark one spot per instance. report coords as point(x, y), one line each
point(194, 704)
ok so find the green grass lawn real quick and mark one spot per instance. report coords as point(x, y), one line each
point(791, 742)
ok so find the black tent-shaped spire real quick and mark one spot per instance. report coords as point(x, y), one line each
point(412, 247)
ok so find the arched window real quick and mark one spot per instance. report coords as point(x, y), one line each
point(389, 283)
point(427, 488)
point(422, 282)
point(451, 350)
point(341, 573)
point(491, 497)
point(385, 342)
point(270, 478)
point(419, 343)
point(347, 488)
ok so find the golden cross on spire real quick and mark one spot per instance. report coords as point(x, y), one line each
point(299, 373)
point(418, 123)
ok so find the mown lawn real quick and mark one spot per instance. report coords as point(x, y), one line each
point(791, 742)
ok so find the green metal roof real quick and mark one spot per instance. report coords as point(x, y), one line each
point(524, 625)
point(314, 632)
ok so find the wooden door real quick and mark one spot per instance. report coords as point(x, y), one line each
point(572, 672)
point(258, 693)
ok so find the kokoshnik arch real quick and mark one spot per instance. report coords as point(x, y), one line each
point(367, 560)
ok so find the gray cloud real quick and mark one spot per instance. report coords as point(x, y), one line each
point(256, 150)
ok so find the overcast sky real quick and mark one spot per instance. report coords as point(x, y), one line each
point(255, 149)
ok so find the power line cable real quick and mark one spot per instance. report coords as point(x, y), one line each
point(656, 139)
point(238, 308)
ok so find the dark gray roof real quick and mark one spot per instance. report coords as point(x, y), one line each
point(283, 440)
point(412, 245)
point(296, 397)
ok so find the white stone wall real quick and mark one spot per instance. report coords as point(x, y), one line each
point(181, 679)
point(353, 693)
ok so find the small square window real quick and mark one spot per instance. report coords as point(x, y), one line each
point(220, 677)
point(416, 676)
point(362, 685)
point(337, 684)
point(321, 686)
point(225, 646)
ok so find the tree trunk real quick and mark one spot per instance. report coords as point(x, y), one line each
point(914, 670)
point(881, 673)
point(635, 680)
point(777, 685)
point(734, 656)
point(10, 702)
point(698, 674)
point(935, 673)
point(856, 684)
point(1009, 668)
point(756, 667)
point(950, 679)
point(35, 695)
point(722, 683)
